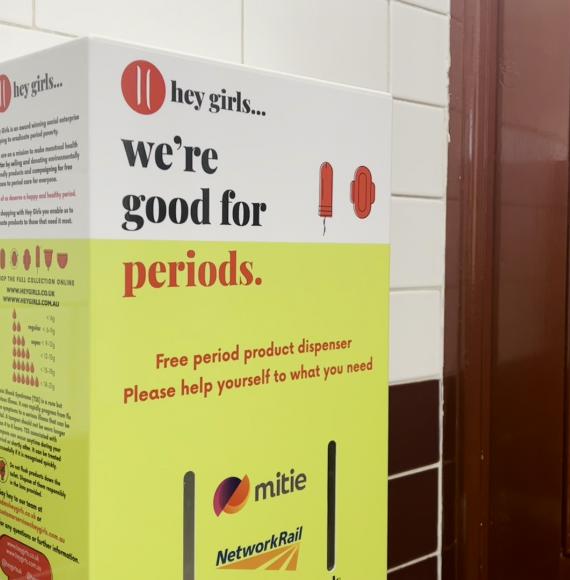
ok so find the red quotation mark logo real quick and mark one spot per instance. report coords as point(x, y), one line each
point(5, 93)
point(143, 87)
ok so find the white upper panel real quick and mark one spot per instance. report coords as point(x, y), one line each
point(273, 158)
point(234, 153)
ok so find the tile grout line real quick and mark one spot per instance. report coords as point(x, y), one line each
point(389, 56)
point(422, 379)
point(15, 24)
point(416, 471)
point(424, 8)
point(242, 31)
point(28, 28)
point(411, 101)
point(441, 388)
point(413, 562)
point(34, 25)
point(56, 32)
point(435, 287)
point(417, 196)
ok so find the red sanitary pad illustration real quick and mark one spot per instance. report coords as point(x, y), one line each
point(19, 561)
point(363, 192)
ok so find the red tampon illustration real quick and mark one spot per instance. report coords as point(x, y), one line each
point(363, 192)
point(326, 193)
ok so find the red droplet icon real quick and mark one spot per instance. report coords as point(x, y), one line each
point(62, 260)
point(143, 87)
point(48, 257)
point(27, 260)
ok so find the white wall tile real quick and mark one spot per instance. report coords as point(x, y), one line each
point(419, 54)
point(417, 235)
point(16, 42)
point(335, 40)
point(18, 11)
point(419, 150)
point(415, 335)
point(437, 5)
point(201, 27)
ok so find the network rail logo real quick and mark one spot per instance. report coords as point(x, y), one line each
point(278, 552)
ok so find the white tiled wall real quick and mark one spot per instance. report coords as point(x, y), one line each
point(419, 150)
point(331, 39)
point(396, 45)
point(419, 54)
point(207, 27)
point(15, 41)
point(18, 11)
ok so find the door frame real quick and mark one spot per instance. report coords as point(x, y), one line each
point(469, 279)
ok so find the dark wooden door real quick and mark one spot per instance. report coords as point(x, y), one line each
point(528, 383)
point(507, 385)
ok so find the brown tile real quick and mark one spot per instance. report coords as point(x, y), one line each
point(426, 570)
point(450, 415)
point(414, 426)
point(412, 517)
point(449, 492)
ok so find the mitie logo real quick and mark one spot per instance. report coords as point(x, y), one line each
point(5, 93)
point(233, 493)
point(143, 87)
point(231, 496)
point(283, 484)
